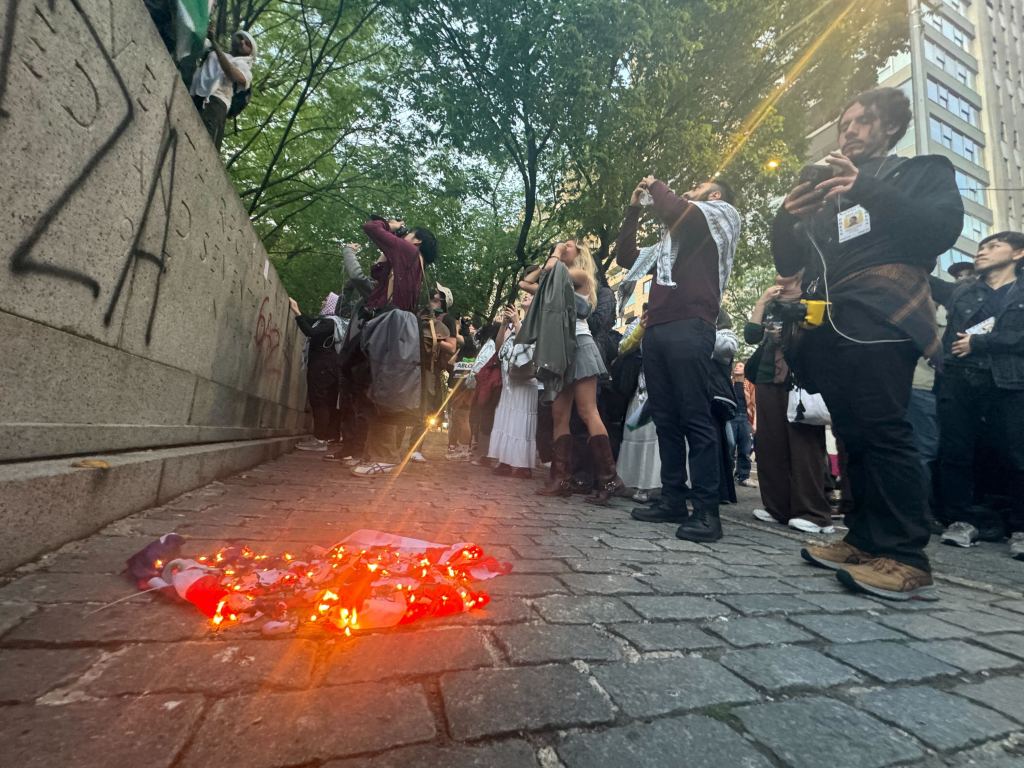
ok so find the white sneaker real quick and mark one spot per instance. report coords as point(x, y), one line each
point(764, 516)
point(960, 535)
point(311, 445)
point(807, 526)
point(372, 470)
point(350, 461)
point(418, 457)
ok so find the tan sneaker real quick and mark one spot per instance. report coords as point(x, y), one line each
point(835, 556)
point(890, 579)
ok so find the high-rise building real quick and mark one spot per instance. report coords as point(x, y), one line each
point(963, 75)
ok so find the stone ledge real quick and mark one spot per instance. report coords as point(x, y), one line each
point(46, 504)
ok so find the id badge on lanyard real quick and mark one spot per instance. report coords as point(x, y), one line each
point(853, 222)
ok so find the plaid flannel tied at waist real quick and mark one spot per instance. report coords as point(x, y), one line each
point(899, 295)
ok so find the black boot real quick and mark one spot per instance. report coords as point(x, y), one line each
point(661, 511)
point(704, 525)
point(608, 481)
point(559, 481)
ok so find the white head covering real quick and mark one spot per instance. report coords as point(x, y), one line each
point(252, 42)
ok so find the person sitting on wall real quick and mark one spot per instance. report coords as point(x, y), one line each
point(219, 77)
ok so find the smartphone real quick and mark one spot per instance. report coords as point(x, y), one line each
point(815, 174)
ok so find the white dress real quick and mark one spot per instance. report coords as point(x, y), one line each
point(513, 436)
point(639, 459)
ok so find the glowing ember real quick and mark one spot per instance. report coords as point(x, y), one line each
point(378, 580)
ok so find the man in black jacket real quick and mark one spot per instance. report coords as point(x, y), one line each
point(981, 397)
point(866, 239)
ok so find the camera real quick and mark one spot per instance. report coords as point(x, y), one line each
point(779, 313)
point(401, 232)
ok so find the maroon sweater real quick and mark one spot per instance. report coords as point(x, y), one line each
point(401, 258)
point(695, 273)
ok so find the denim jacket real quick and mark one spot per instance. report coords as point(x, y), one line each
point(1004, 345)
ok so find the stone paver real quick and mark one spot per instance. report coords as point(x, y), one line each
point(663, 686)
point(749, 631)
point(494, 702)
point(611, 643)
point(404, 654)
point(666, 636)
point(28, 673)
point(788, 666)
point(815, 732)
point(1004, 694)
point(540, 644)
point(512, 753)
point(891, 662)
point(938, 719)
point(700, 741)
point(676, 608)
point(268, 730)
point(846, 629)
point(968, 657)
point(147, 730)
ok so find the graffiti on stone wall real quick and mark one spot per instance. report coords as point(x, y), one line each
point(37, 32)
point(22, 261)
point(268, 340)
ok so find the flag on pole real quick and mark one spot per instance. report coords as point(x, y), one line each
point(191, 19)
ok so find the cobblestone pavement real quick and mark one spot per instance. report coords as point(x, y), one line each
point(611, 644)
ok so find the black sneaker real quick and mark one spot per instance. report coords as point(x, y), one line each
point(661, 512)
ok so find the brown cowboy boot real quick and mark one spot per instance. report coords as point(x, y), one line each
point(558, 483)
point(607, 480)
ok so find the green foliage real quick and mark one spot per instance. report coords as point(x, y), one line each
point(505, 125)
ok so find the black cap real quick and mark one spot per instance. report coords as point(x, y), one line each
point(957, 268)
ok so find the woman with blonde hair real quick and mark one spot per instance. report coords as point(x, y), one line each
point(581, 381)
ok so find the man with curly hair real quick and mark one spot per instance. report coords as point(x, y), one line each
point(865, 239)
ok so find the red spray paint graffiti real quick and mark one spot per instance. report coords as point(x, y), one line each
point(268, 341)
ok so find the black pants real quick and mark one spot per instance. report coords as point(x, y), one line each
point(322, 384)
point(214, 113)
point(867, 390)
point(677, 366)
point(973, 414)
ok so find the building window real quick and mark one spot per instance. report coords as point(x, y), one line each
point(951, 138)
point(949, 30)
point(647, 287)
point(970, 188)
point(948, 64)
point(952, 102)
point(974, 228)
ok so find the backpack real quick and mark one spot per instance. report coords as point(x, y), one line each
point(239, 101)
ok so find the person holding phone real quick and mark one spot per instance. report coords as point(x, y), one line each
point(866, 238)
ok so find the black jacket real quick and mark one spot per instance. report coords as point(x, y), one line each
point(916, 214)
point(1003, 346)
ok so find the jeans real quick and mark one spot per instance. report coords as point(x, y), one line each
point(741, 443)
point(677, 367)
point(867, 390)
point(974, 412)
point(924, 421)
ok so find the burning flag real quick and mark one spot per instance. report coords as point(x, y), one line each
point(369, 580)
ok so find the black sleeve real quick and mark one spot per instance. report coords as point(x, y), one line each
point(942, 290)
point(602, 318)
point(314, 327)
point(788, 249)
point(753, 333)
point(925, 215)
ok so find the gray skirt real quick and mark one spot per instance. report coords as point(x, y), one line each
point(588, 360)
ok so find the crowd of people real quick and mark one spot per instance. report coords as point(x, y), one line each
point(665, 413)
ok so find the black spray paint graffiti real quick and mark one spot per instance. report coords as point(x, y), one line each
point(163, 169)
point(169, 146)
point(21, 260)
